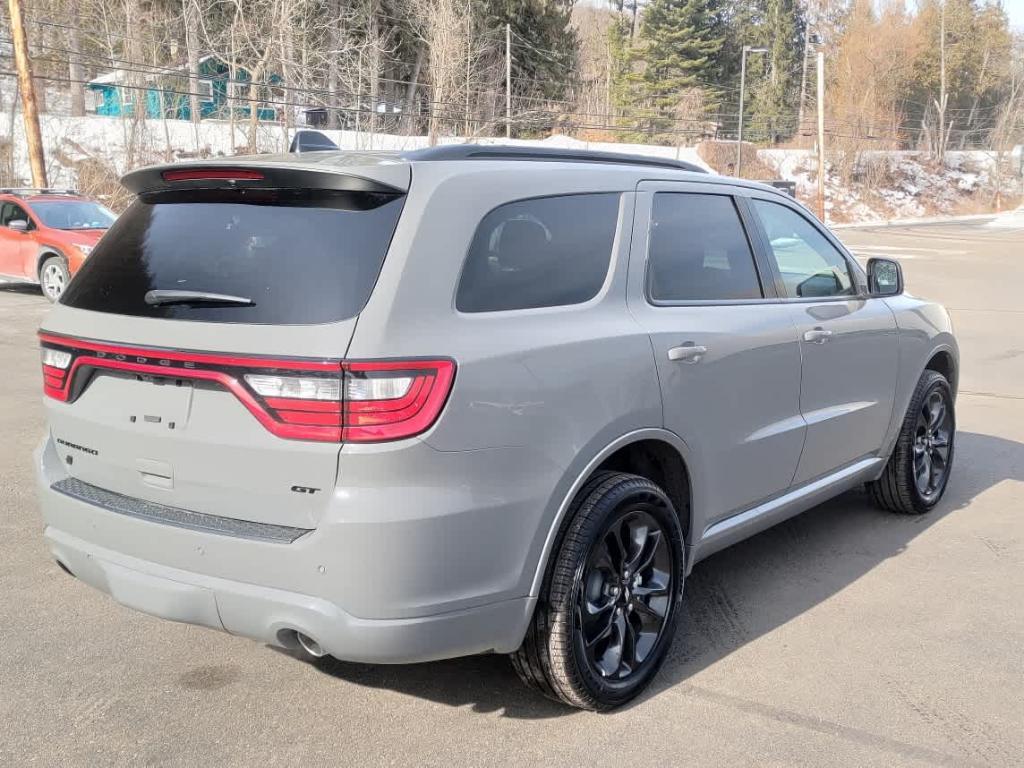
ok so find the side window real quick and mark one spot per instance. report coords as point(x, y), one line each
point(542, 252)
point(699, 250)
point(10, 211)
point(810, 265)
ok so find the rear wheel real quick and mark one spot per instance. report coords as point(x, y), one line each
point(54, 277)
point(609, 602)
point(918, 470)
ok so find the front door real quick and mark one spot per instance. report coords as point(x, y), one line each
point(14, 246)
point(726, 349)
point(848, 341)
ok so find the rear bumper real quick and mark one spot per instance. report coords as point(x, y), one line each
point(273, 616)
point(387, 588)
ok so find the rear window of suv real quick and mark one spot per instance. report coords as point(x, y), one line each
point(300, 256)
point(542, 252)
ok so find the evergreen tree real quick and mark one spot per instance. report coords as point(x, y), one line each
point(621, 64)
point(544, 45)
point(774, 89)
point(773, 78)
point(674, 59)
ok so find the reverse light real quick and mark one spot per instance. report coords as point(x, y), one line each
point(294, 398)
point(390, 388)
point(55, 358)
point(294, 387)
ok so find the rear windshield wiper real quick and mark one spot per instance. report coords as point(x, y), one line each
point(157, 298)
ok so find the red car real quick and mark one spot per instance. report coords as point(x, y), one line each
point(46, 234)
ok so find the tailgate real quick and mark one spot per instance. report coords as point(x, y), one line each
point(185, 430)
point(195, 359)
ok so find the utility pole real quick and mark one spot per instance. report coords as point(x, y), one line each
point(33, 136)
point(739, 131)
point(821, 135)
point(508, 81)
point(943, 96)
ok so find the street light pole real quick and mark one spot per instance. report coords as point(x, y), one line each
point(743, 82)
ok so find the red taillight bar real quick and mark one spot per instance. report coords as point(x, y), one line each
point(368, 421)
point(202, 174)
point(142, 354)
point(288, 417)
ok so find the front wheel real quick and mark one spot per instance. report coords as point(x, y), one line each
point(610, 599)
point(918, 470)
point(54, 277)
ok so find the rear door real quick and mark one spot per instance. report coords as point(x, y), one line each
point(848, 340)
point(726, 350)
point(227, 405)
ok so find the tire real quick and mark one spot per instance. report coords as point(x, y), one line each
point(54, 277)
point(900, 489)
point(585, 577)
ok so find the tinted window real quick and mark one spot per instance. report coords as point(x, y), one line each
point(699, 250)
point(301, 256)
point(809, 263)
point(544, 252)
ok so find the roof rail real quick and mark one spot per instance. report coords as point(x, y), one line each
point(549, 154)
point(21, 191)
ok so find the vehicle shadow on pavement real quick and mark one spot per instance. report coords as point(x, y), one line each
point(28, 289)
point(733, 597)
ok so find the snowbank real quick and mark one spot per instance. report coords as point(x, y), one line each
point(897, 185)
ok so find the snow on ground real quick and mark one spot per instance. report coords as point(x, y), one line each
point(1009, 220)
point(896, 185)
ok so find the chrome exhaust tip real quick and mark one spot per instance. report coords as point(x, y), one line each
point(310, 646)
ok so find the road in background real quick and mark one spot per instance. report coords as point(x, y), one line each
point(845, 636)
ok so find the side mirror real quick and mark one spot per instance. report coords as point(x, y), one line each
point(885, 277)
point(18, 225)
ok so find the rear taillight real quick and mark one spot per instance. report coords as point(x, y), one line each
point(55, 368)
point(394, 399)
point(302, 399)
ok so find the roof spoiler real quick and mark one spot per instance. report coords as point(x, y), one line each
point(312, 171)
point(311, 141)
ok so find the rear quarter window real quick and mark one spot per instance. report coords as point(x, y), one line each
point(541, 252)
point(302, 256)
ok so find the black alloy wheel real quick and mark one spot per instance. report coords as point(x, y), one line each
point(918, 471)
point(610, 599)
point(624, 594)
point(933, 440)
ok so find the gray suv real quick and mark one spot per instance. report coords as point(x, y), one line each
point(403, 407)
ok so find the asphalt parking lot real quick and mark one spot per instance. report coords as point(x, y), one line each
point(846, 636)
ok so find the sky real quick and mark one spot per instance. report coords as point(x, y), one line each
point(1015, 10)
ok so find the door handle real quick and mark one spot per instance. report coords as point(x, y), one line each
point(817, 335)
point(687, 353)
